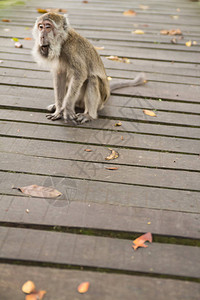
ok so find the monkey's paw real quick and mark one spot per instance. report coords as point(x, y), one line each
point(82, 118)
point(54, 116)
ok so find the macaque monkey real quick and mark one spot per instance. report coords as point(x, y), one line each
point(79, 75)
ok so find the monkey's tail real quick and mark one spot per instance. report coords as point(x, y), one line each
point(139, 79)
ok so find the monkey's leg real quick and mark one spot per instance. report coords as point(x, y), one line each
point(73, 92)
point(92, 99)
point(59, 80)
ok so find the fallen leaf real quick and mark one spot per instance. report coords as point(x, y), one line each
point(18, 45)
point(28, 287)
point(144, 7)
point(188, 44)
point(149, 113)
point(15, 39)
point(111, 168)
point(28, 38)
point(88, 150)
point(120, 59)
point(194, 42)
point(174, 41)
point(175, 17)
point(109, 78)
point(85, 1)
point(36, 295)
point(83, 287)
point(138, 31)
point(139, 242)
point(114, 154)
point(6, 20)
point(118, 124)
point(41, 10)
point(129, 12)
point(171, 32)
point(39, 191)
point(122, 138)
point(99, 48)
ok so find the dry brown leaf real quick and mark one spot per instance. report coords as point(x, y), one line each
point(149, 113)
point(129, 13)
point(188, 44)
point(138, 31)
point(111, 168)
point(18, 45)
point(88, 150)
point(120, 59)
point(85, 1)
point(83, 287)
point(99, 48)
point(41, 10)
point(118, 124)
point(171, 32)
point(139, 242)
point(6, 20)
point(36, 295)
point(39, 191)
point(28, 287)
point(114, 154)
point(144, 7)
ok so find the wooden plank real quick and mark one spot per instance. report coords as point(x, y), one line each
point(45, 77)
point(124, 113)
point(113, 138)
point(99, 252)
point(90, 191)
point(153, 177)
point(101, 216)
point(98, 154)
point(58, 283)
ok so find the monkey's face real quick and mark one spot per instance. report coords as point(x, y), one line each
point(46, 34)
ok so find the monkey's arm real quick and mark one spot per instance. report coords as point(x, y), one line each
point(59, 82)
point(139, 79)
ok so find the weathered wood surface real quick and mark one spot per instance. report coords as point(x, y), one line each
point(156, 186)
point(102, 286)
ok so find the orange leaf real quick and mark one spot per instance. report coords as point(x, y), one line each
point(112, 168)
point(139, 242)
point(83, 287)
point(27, 38)
point(129, 12)
point(88, 150)
point(188, 44)
point(36, 295)
point(5, 20)
point(149, 113)
point(28, 287)
point(41, 10)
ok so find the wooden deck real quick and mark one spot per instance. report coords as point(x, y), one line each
point(87, 233)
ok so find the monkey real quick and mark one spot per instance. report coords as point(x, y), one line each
point(79, 76)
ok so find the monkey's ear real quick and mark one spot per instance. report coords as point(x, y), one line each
point(66, 22)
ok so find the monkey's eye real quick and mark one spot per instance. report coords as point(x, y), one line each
point(40, 26)
point(47, 26)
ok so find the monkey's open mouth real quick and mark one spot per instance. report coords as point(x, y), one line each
point(44, 50)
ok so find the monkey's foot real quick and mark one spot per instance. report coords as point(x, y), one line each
point(51, 108)
point(83, 118)
point(54, 116)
